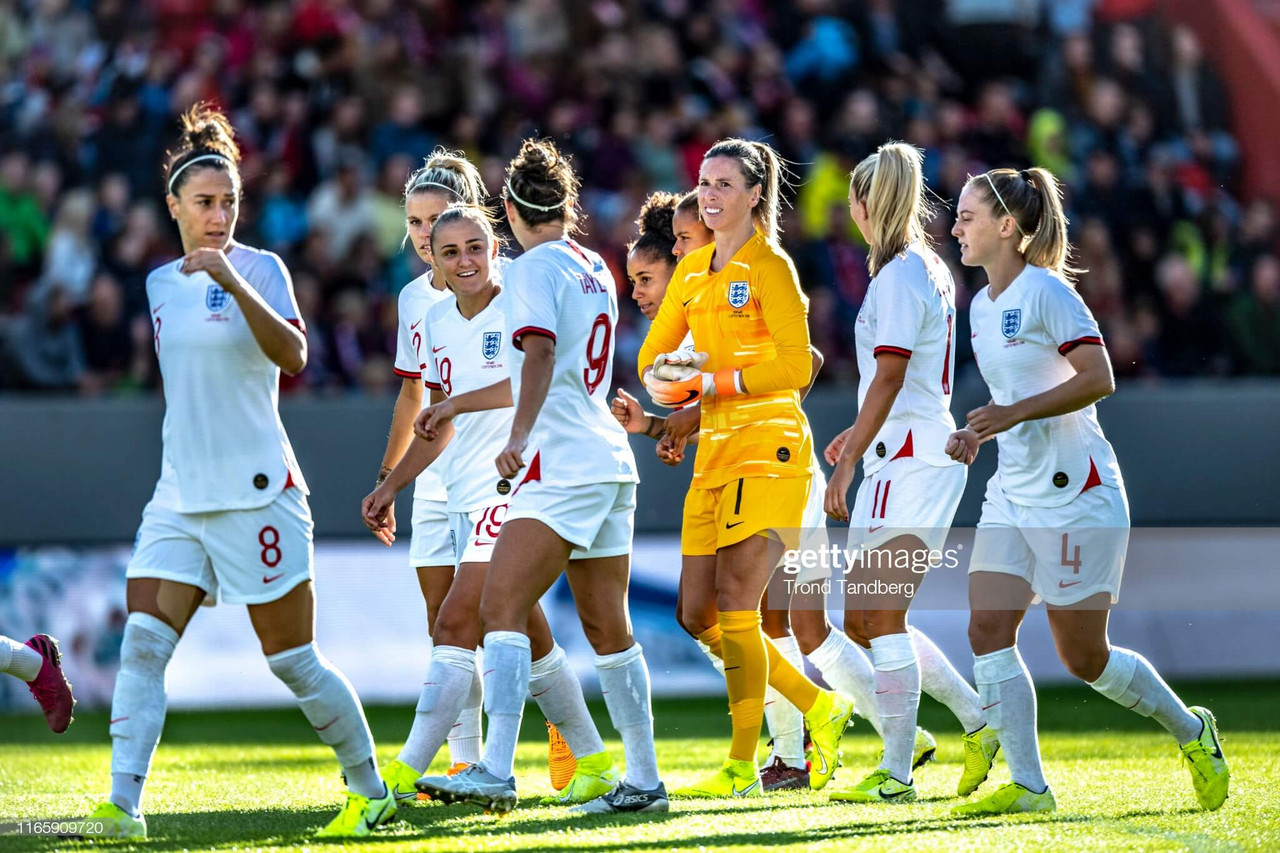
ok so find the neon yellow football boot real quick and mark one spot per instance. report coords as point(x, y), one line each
point(1009, 798)
point(115, 822)
point(733, 780)
point(595, 776)
point(826, 720)
point(1203, 756)
point(400, 778)
point(361, 815)
point(980, 750)
point(879, 787)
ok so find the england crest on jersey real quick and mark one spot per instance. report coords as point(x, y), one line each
point(490, 344)
point(215, 298)
point(739, 293)
point(1011, 322)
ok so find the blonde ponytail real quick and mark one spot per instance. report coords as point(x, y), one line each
point(1033, 197)
point(890, 183)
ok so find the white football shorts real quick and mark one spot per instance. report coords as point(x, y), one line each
point(597, 519)
point(253, 556)
point(430, 544)
point(1067, 553)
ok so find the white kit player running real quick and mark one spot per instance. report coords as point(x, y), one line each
point(230, 510)
point(470, 362)
point(573, 491)
point(447, 177)
point(910, 488)
point(1055, 520)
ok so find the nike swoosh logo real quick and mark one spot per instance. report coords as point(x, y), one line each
point(693, 395)
point(116, 720)
point(437, 349)
point(822, 770)
point(415, 325)
point(536, 695)
point(156, 310)
point(687, 301)
point(266, 579)
point(881, 692)
point(896, 794)
point(1064, 584)
point(326, 725)
point(727, 668)
point(992, 705)
point(747, 790)
point(730, 526)
point(874, 529)
point(370, 824)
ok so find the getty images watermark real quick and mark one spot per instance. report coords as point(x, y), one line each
point(826, 569)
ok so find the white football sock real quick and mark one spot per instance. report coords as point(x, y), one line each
point(19, 659)
point(1130, 680)
point(785, 721)
point(449, 678)
point(1009, 706)
point(506, 684)
point(940, 680)
point(556, 689)
point(898, 696)
point(331, 706)
point(624, 680)
point(138, 706)
point(845, 666)
point(465, 738)
point(717, 662)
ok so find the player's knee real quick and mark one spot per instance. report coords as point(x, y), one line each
point(498, 613)
point(453, 629)
point(1084, 662)
point(810, 632)
point(856, 630)
point(990, 631)
point(879, 623)
point(606, 638)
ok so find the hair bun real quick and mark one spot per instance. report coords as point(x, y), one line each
point(657, 214)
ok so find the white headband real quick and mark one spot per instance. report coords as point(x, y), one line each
point(422, 186)
point(987, 175)
point(542, 207)
point(175, 175)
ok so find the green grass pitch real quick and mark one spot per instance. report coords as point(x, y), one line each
point(258, 780)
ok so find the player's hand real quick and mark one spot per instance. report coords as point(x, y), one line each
point(832, 453)
point(667, 452)
point(378, 512)
point(678, 393)
point(215, 263)
point(629, 412)
point(834, 503)
point(962, 446)
point(511, 459)
point(681, 426)
point(991, 419)
point(427, 424)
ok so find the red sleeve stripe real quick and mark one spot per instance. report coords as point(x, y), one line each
point(902, 351)
point(407, 374)
point(299, 324)
point(1070, 345)
point(432, 386)
point(530, 330)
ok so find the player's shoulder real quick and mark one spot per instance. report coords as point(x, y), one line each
point(441, 310)
point(1049, 289)
point(769, 262)
point(165, 272)
point(258, 266)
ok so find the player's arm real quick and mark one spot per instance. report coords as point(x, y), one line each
point(535, 381)
point(280, 340)
point(786, 315)
point(891, 373)
point(818, 361)
point(408, 405)
point(377, 506)
point(495, 396)
point(1092, 382)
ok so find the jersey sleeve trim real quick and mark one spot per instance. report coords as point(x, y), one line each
point(432, 386)
point(407, 374)
point(1070, 345)
point(530, 330)
point(902, 351)
point(298, 323)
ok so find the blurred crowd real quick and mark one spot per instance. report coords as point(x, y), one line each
point(335, 101)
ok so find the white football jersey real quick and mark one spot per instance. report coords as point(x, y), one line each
point(466, 355)
point(415, 298)
point(1020, 341)
point(565, 292)
point(910, 309)
point(224, 445)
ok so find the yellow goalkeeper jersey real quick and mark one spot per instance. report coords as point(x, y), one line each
point(753, 316)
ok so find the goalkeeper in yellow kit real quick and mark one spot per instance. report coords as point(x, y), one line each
point(741, 299)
